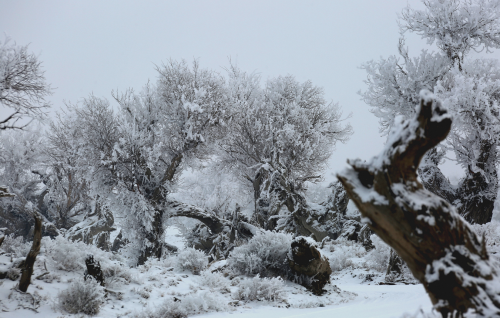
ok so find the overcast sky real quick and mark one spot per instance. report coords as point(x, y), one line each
point(99, 46)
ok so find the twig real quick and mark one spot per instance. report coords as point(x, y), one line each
point(40, 276)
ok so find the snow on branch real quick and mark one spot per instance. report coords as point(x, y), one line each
point(439, 246)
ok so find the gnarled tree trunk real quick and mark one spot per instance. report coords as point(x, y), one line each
point(437, 244)
point(477, 191)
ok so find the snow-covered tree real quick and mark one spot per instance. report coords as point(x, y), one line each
point(469, 88)
point(67, 193)
point(279, 136)
point(161, 129)
point(284, 119)
point(456, 26)
point(20, 156)
point(23, 88)
point(77, 178)
point(473, 95)
point(394, 83)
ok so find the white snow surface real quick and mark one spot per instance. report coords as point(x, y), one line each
point(356, 289)
point(355, 299)
point(348, 295)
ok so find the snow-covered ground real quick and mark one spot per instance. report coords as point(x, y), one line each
point(354, 299)
point(374, 301)
point(357, 286)
point(145, 288)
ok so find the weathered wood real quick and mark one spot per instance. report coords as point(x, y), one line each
point(310, 268)
point(93, 270)
point(31, 258)
point(438, 245)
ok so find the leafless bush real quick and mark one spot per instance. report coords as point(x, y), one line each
point(83, 296)
point(270, 289)
point(192, 260)
point(214, 280)
point(263, 253)
point(116, 275)
point(185, 306)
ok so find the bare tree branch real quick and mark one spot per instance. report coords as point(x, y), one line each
point(22, 85)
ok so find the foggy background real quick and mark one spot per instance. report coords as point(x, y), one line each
point(99, 46)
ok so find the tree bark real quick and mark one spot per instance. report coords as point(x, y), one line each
point(31, 258)
point(155, 239)
point(438, 245)
point(480, 192)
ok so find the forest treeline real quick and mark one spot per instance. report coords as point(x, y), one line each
point(239, 154)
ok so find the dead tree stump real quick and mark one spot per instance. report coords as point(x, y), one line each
point(27, 271)
point(310, 268)
point(437, 244)
point(94, 270)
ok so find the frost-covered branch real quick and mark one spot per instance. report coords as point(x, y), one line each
point(23, 88)
point(457, 26)
point(439, 246)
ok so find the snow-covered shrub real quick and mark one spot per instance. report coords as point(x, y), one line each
point(83, 296)
point(169, 261)
point(70, 256)
point(193, 260)
point(16, 246)
point(265, 254)
point(378, 258)
point(188, 305)
point(342, 253)
point(271, 289)
point(116, 275)
point(66, 255)
point(214, 280)
point(491, 232)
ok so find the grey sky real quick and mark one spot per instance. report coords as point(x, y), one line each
point(97, 46)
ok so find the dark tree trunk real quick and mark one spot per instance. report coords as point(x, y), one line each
point(441, 250)
point(477, 192)
point(31, 258)
point(155, 240)
point(157, 196)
